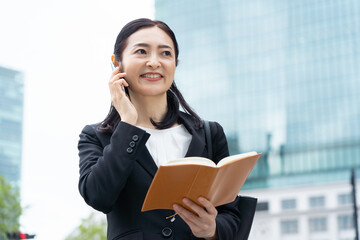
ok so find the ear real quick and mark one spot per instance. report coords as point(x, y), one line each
point(113, 59)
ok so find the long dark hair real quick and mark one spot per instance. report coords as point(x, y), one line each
point(174, 96)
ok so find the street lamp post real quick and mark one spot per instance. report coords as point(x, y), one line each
point(353, 185)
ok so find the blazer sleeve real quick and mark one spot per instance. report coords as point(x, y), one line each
point(228, 218)
point(105, 169)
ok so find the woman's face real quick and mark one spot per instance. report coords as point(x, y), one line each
point(149, 62)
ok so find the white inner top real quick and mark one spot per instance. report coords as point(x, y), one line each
point(168, 144)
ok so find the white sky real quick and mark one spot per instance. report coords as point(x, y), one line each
point(64, 49)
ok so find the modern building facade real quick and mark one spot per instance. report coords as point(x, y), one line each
point(282, 77)
point(311, 212)
point(11, 122)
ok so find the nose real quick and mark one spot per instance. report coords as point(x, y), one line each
point(153, 62)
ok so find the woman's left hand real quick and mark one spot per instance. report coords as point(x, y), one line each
point(203, 223)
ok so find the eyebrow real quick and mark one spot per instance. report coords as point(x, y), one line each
point(148, 45)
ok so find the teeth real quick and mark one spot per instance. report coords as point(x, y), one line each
point(152, 75)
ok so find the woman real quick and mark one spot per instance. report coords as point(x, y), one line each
point(144, 129)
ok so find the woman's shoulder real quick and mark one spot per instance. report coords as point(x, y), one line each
point(96, 130)
point(191, 120)
point(216, 129)
point(95, 134)
point(215, 126)
point(90, 128)
point(93, 131)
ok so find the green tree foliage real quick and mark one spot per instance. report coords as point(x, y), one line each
point(10, 208)
point(93, 227)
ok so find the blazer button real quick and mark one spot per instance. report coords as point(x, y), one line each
point(129, 150)
point(132, 144)
point(166, 232)
point(135, 138)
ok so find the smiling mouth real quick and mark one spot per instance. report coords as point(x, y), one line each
point(151, 76)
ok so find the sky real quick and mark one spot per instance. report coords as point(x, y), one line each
point(64, 49)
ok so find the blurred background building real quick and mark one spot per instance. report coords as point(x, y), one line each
point(11, 121)
point(282, 77)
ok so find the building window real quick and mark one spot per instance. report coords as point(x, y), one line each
point(318, 224)
point(288, 204)
point(289, 226)
point(344, 199)
point(345, 222)
point(317, 202)
point(262, 206)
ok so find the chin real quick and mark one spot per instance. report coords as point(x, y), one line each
point(154, 91)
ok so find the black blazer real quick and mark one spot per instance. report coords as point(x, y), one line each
point(116, 171)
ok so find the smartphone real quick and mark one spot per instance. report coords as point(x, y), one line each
point(113, 69)
point(112, 66)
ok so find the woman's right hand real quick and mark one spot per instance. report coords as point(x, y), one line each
point(119, 98)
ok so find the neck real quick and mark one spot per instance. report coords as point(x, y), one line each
point(149, 107)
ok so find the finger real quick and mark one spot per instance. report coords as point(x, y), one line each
point(117, 76)
point(118, 84)
point(117, 88)
point(116, 71)
point(209, 207)
point(121, 81)
point(195, 207)
point(190, 218)
point(198, 215)
point(200, 227)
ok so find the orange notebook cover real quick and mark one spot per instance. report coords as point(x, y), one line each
point(193, 177)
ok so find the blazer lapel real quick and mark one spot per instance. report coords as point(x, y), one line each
point(196, 147)
point(147, 162)
point(197, 144)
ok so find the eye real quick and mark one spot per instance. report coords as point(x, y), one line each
point(166, 53)
point(140, 51)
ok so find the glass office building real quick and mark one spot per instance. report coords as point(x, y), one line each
point(11, 119)
point(282, 77)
